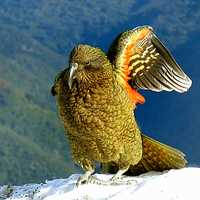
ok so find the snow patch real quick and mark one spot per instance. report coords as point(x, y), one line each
point(182, 184)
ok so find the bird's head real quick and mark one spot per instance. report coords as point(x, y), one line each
point(88, 67)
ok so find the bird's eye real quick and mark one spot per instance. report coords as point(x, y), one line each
point(88, 67)
point(92, 65)
point(87, 63)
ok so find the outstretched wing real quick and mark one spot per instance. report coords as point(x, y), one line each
point(141, 59)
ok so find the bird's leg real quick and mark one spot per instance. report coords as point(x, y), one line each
point(89, 168)
point(84, 178)
point(117, 179)
point(118, 175)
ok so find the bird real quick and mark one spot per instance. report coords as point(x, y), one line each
point(97, 95)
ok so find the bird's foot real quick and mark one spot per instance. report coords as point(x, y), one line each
point(115, 180)
point(85, 178)
point(82, 180)
point(121, 180)
point(89, 179)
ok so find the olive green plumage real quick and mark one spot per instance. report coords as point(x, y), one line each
point(96, 108)
point(97, 113)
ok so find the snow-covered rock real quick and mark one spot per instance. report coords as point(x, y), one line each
point(183, 184)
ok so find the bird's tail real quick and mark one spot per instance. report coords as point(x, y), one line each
point(156, 157)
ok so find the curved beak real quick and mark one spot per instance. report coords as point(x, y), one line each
point(53, 91)
point(72, 74)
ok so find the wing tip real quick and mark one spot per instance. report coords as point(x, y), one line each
point(189, 84)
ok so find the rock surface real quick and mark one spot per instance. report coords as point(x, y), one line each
point(183, 184)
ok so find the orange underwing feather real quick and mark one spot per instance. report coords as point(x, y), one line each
point(135, 96)
point(141, 61)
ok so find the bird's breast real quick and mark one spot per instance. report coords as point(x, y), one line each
point(97, 119)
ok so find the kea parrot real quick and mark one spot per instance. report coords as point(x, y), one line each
point(97, 95)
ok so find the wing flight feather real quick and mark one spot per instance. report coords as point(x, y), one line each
point(141, 59)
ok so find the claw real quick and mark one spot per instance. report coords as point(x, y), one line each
point(116, 178)
point(84, 179)
point(121, 180)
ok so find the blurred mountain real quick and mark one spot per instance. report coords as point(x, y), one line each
point(36, 36)
point(29, 127)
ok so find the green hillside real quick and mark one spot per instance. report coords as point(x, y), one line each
point(32, 144)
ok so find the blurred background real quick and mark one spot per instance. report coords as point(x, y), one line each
point(36, 37)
